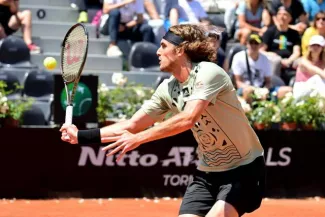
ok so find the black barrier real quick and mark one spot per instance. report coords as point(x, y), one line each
point(34, 163)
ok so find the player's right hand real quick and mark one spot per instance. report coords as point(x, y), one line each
point(69, 133)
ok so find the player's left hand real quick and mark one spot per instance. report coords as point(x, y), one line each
point(124, 142)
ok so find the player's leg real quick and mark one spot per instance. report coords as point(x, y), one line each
point(241, 190)
point(199, 196)
point(222, 209)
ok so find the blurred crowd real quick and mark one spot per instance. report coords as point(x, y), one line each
point(279, 40)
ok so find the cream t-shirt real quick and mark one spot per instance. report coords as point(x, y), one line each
point(224, 136)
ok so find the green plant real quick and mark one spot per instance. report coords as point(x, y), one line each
point(12, 108)
point(3, 100)
point(264, 112)
point(310, 110)
point(288, 109)
point(104, 106)
point(122, 101)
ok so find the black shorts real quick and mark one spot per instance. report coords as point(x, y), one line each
point(5, 16)
point(242, 187)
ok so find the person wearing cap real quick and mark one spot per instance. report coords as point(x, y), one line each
point(299, 19)
point(310, 72)
point(249, 19)
point(281, 44)
point(257, 74)
point(229, 180)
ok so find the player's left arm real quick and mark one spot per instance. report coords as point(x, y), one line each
point(179, 123)
point(175, 125)
point(210, 81)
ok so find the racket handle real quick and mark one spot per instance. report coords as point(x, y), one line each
point(68, 115)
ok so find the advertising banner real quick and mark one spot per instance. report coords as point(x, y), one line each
point(35, 163)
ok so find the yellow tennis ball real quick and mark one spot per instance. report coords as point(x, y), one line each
point(50, 63)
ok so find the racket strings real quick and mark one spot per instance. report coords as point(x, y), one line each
point(73, 54)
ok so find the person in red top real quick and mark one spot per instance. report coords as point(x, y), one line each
point(11, 19)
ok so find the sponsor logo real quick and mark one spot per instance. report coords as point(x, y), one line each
point(282, 158)
point(177, 156)
point(177, 180)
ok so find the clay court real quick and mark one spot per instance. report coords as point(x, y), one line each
point(161, 207)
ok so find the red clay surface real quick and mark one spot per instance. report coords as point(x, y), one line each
point(163, 207)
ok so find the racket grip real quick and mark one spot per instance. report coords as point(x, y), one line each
point(68, 115)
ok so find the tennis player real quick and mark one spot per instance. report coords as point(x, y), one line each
point(229, 180)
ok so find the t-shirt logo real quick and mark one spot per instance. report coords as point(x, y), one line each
point(198, 85)
point(283, 42)
point(186, 93)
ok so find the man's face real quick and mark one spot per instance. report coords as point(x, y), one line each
point(167, 56)
point(253, 46)
point(283, 17)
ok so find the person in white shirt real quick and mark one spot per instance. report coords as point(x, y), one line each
point(122, 23)
point(257, 73)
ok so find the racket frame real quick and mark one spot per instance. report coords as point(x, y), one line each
point(70, 95)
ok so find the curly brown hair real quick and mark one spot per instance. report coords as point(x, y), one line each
point(197, 46)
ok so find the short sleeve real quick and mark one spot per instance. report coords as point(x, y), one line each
point(267, 37)
point(241, 8)
point(139, 6)
point(211, 80)
point(297, 39)
point(266, 66)
point(157, 106)
point(305, 39)
point(236, 66)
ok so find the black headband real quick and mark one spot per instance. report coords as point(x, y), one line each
point(173, 38)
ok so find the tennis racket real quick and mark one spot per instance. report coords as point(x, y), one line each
point(73, 57)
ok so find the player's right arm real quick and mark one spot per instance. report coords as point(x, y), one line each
point(139, 121)
point(156, 110)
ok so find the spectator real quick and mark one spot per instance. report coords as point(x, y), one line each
point(249, 15)
point(312, 7)
point(173, 13)
point(151, 9)
point(183, 11)
point(11, 19)
point(216, 34)
point(299, 19)
point(230, 17)
point(252, 70)
point(318, 28)
point(194, 11)
point(122, 25)
point(310, 72)
point(281, 42)
point(83, 6)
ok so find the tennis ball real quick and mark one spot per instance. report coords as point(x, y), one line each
point(50, 63)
